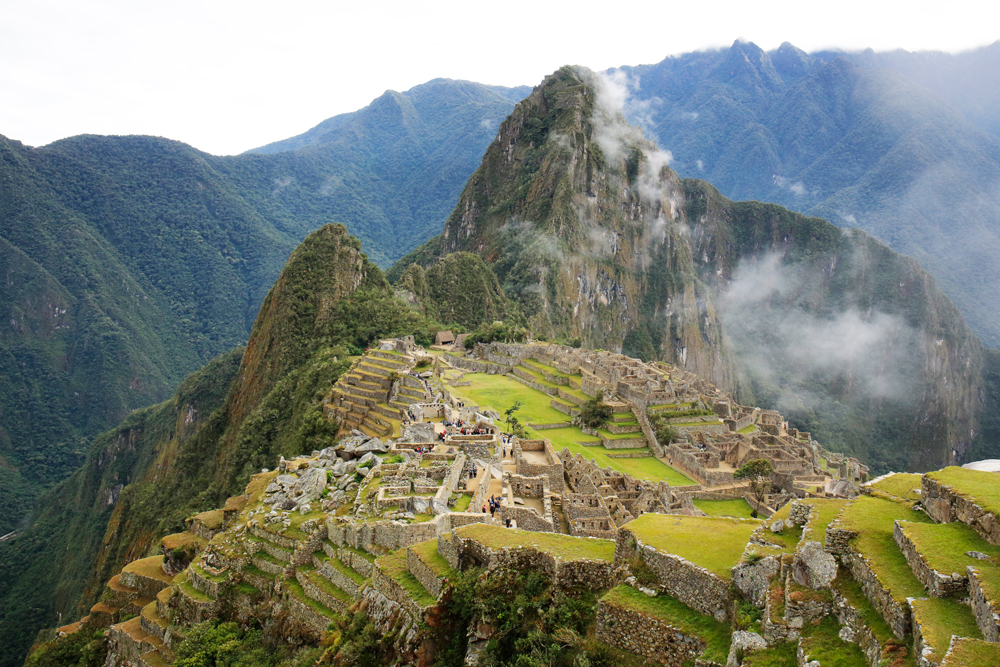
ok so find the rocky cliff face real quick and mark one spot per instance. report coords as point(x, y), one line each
point(588, 228)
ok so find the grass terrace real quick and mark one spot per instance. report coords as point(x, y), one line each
point(212, 519)
point(873, 520)
point(182, 582)
point(785, 654)
point(435, 561)
point(825, 510)
point(748, 429)
point(717, 636)
point(295, 588)
point(561, 546)
point(973, 653)
point(940, 618)
point(901, 485)
point(499, 393)
point(714, 543)
point(975, 485)
point(394, 566)
point(851, 589)
point(943, 545)
point(149, 567)
point(736, 508)
point(823, 644)
point(463, 502)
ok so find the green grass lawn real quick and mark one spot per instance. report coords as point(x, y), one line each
point(873, 520)
point(940, 618)
point(463, 502)
point(499, 393)
point(427, 551)
point(737, 508)
point(565, 547)
point(902, 485)
point(717, 636)
point(782, 655)
point(973, 653)
point(825, 510)
point(823, 643)
point(979, 486)
point(943, 545)
point(394, 566)
point(748, 429)
point(714, 543)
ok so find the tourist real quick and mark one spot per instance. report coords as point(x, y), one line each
point(506, 522)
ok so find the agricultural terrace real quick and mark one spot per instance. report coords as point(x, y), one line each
point(905, 486)
point(717, 636)
point(940, 618)
point(737, 508)
point(976, 485)
point(945, 546)
point(498, 392)
point(565, 547)
point(873, 519)
point(714, 543)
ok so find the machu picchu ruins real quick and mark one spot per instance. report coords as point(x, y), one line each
point(430, 480)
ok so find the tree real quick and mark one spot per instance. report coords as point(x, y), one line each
point(758, 473)
point(511, 420)
point(594, 413)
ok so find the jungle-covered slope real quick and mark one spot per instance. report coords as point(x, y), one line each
point(129, 262)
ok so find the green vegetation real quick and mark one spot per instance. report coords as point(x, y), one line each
point(978, 486)
point(716, 635)
point(565, 547)
point(940, 618)
point(944, 545)
point(737, 508)
point(901, 485)
point(758, 473)
point(715, 543)
point(499, 393)
point(823, 643)
point(394, 566)
point(78, 649)
point(594, 413)
point(432, 559)
point(782, 655)
point(973, 653)
point(873, 520)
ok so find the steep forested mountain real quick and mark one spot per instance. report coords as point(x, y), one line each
point(901, 145)
point(130, 261)
point(590, 231)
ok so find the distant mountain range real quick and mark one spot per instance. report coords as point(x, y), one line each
point(905, 146)
point(131, 261)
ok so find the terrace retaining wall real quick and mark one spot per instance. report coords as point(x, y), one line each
point(678, 577)
point(987, 611)
point(633, 631)
point(937, 583)
point(945, 505)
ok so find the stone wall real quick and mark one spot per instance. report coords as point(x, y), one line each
point(632, 631)
point(937, 583)
point(896, 614)
point(526, 518)
point(310, 619)
point(554, 470)
point(679, 578)
point(584, 572)
point(861, 632)
point(987, 612)
point(945, 505)
point(475, 365)
point(423, 574)
point(388, 587)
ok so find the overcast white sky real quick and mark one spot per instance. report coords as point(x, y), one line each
point(228, 76)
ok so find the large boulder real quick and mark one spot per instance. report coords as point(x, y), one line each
point(419, 432)
point(813, 567)
point(743, 643)
point(310, 485)
point(373, 445)
point(752, 579)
